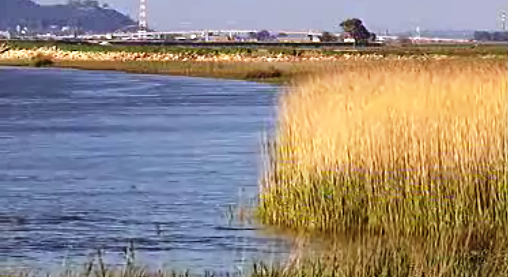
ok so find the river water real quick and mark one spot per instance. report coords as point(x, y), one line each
point(96, 160)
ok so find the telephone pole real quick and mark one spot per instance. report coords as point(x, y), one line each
point(503, 21)
point(143, 22)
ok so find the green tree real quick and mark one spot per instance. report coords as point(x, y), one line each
point(355, 28)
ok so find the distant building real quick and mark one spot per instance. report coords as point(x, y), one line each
point(386, 38)
point(315, 39)
point(296, 38)
point(5, 35)
point(438, 40)
point(347, 38)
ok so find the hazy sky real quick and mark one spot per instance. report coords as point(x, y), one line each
point(378, 15)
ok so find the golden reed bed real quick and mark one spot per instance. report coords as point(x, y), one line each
point(110, 56)
point(400, 147)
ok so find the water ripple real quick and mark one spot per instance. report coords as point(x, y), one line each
point(99, 160)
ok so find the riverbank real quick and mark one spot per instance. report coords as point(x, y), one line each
point(235, 71)
point(278, 67)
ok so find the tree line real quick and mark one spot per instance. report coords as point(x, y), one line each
point(353, 28)
point(86, 4)
point(490, 36)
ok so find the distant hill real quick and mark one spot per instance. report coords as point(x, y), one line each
point(78, 15)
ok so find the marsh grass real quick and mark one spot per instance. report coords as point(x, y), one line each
point(464, 50)
point(402, 148)
point(271, 72)
point(391, 258)
point(268, 68)
point(240, 71)
point(392, 169)
point(96, 266)
point(266, 72)
point(41, 61)
point(458, 253)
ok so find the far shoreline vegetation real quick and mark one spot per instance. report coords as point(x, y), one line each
point(254, 64)
point(264, 60)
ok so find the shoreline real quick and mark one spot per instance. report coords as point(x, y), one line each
point(262, 67)
point(114, 68)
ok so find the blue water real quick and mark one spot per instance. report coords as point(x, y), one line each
point(95, 160)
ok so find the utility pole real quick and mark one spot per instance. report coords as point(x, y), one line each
point(503, 20)
point(143, 22)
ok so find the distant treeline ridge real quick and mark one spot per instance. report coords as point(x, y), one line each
point(491, 36)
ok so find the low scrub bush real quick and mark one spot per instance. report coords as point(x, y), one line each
point(269, 73)
point(42, 61)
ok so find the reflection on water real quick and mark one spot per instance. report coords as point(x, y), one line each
point(97, 160)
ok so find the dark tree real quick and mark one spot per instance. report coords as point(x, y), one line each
point(263, 35)
point(373, 37)
point(355, 28)
point(328, 37)
point(482, 36)
point(84, 3)
point(91, 3)
point(487, 36)
point(74, 3)
point(499, 36)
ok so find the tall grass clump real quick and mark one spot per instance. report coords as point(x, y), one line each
point(452, 255)
point(405, 147)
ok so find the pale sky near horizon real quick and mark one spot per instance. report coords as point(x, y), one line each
point(378, 15)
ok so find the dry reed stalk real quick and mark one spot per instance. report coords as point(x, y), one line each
point(396, 147)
